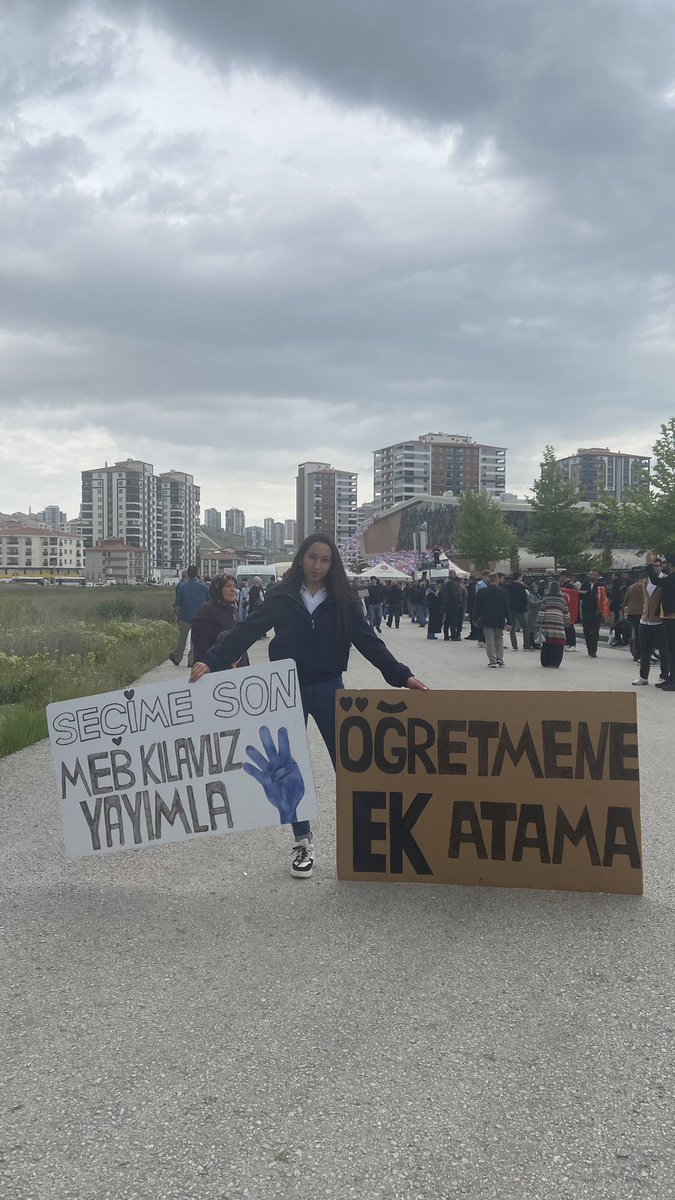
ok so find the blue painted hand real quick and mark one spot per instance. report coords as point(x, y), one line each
point(278, 774)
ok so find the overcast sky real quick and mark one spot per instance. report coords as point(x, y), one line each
point(238, 234)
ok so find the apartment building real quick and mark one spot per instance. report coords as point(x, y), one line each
point(113, 561)
point(325, 500)
point(235, 521)
point(35, 552)
point(436, 463)
point(157, 513)
point(594, 468)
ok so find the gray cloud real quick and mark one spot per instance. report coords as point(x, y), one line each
point(521, 291)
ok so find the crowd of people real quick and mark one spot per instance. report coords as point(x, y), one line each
point(639, 613)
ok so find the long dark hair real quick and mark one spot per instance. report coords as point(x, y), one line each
point(336, 583)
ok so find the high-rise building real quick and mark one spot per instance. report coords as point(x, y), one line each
point(213, 519)
point(180, 504)
point(434, 464)
point(325, 500)
point(52, 516)
point(235, 521)
point(254, 537)
point(278, 534)
point(123, 501)
point(157, 513)
point(595, 468)
point(290, 533)
point(274, 533)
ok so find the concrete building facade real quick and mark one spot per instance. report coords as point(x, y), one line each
point(433, 464)
point(213, 519)
point(33, 552)
point(326, 499)
point(157, 513)
point(180, 505)
point(235, 521)
point(113, 561)
point(594, 468)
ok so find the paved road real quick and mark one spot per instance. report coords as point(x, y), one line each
point(192, 1022)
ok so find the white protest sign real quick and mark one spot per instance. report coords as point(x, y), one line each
point(152, 765)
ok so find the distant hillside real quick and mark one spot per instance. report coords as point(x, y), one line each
point(224, 541)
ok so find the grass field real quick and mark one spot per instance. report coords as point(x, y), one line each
point(57, 643)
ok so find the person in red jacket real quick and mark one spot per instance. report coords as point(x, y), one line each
point(571, 595)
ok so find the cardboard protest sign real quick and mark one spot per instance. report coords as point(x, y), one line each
point(153, 765)
point(507, 789)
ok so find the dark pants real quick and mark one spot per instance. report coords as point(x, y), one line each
point(570, 635)
point(590, 624)
point(519, 622)
point(668, 668)
point(394, 615)
point(652, 638)
point(318, 701)
point(550, 655)
point(450, 620)
point(635, 637)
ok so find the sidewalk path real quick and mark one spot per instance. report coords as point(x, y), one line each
point(191, 1022)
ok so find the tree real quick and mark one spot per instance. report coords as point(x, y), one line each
point(558, 527)
point(649, 513)
point(481, 533)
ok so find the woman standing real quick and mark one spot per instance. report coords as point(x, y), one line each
point(316, 619)
point(218, 615)
point(552, 618)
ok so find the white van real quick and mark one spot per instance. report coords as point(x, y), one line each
point(265, 571)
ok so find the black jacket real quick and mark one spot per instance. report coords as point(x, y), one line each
point(492, 607)
point(517, 594)
point(589, 596)
point(313, 641)
point(208, 623)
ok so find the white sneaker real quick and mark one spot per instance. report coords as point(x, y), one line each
point(640, 682)
point(303, 859)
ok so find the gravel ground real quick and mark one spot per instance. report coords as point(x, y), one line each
point(191, 1022)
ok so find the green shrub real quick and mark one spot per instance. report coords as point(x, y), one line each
point(81, 659)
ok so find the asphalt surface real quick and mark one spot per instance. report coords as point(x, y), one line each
point(192, 1022)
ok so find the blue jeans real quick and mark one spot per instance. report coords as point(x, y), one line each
point(318, 701)
point(421, 614)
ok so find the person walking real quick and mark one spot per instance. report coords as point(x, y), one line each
point(533, 605)
point(552, 619)
point(594, 606)
point(395, 604)
point(435, 610)
point(374, 602)
point(517, 594)
point(633, 603)
point(481, 583)
point(571, 594)
point(456, 632)
point(243, 600)
point(316, 620)
point(421, 604)
point(651, 630)
point(191, 593)
point(450, 604)
point(493, 614)
point(218, 615)
point(666, 581)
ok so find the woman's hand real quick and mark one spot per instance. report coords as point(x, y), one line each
point(416, 685)
point(198, 670)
